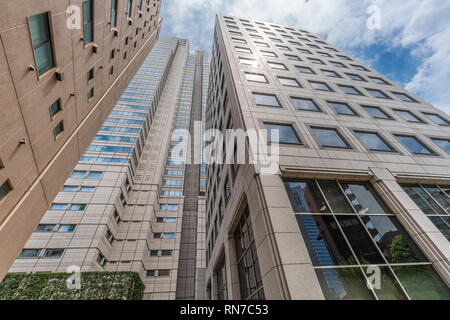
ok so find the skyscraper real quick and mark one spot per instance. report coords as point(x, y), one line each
point(62, 67)
point(129, 205)
point(361, 190)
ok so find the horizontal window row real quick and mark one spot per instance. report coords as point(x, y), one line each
point(67, 188)
point(41, 253)
point(55, 228)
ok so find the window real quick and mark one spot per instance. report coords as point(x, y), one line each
point(250, 281)
point(320, 86)
point(403, 97)
point(90, 93)
point(378, 80)
point(437, 119)
point(42, 42)
point(111, 70)
point(78, 174)
point(249, 62)
point(408, 116)
point(342, 108)
point(58, 129)
point(129, 6)
point(90, 74)
point(329, 137)
point(261, 44)
point(292, 57)
point(373, 141)
point(360, 68)
point(377, 112)
point(268, 100)
point(53, 253)
point(87, 22)
point(304, 69)
point(331, 74)
point(95, 175)
point(113, 13)
point(268, 53)
point(377, 93)
point(316, 61)
point(355, 77)
point(112, 54)
point(243, 50)
point(414, 145)
point(70, 188)
point(66, 228)
point(77, 207)
point(87, 189)
point(163, 272)
point(101, 260)
point(286, 133)
point(338, 64)
point(55, 108)
point(255, 77)
point(221, 280)
point(434, 201)
point(346, 228)
point(305, 104)
point(30, 253)
point(168, 235)
point(349, 90)
point(239, 40)
point(290, 82)
point(45, 228)
point(275, 65)
point(443, 143)
point(150, 273)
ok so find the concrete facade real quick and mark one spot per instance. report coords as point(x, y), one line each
point(33, 171)
point(251, 58)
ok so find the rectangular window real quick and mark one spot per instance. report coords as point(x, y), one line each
point(53, 253)
point(414, 145)
point(289, 82)
point(30, 253)
point(377, 112)
point(331, 74)
point(275, 65)
point(169, 236)
point(87, 189)
point(88, 30)
point(408, 116)
point(42, 43)
point(95, 175)
point(443, 143)
point(437, 119)
point(45, 228)
point(55, 108)
point(90, 93)
point(268, 100)
point(70, 188)
point(113, 13)
point(322, 86)
point(373, 141)
point(66, 228)
point(250, 281)
point(355, 77)
point(129, 8)
point(341, 108)
point(5, 188)
point(268, 53)
point(58, 129)
point(329, 137)
point(243, 50)
point(249, 62)
point(292, 57)
point(378, 80)
point(304, 69)
point(77, 207)
point(78, 174)
point(349, 90)
point(255, 77)
point(305, 104)
point(377, 93)
point(90, 74)
point(286, 133)
point(404, 97)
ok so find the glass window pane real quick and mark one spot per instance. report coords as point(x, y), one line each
point(30, 253)
point(393, 241)
point(335, 197)
point(42, 45)
point(305, 104)
point(422, 282)
point(389, 287)
point(443, 143)
point(255, 77)
point(289, 82)
point(329, 138)
point(363, 199)
point(414, 145)
point(359, 240)
point(373, 142)
point(439, 196)
point(44, 57)
point(403, 97)
point(45, 228)
point(66, 228)
point(422, 200)
point(305, 197)
point(437, 119)
point(320, 86)
point(343, 284)
point(443, 225)
point(266, 100)
point(407, 116)
point(341, 108)
point(286, 133)
point(324, 241)
point(377, 93)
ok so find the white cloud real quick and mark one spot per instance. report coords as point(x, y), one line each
point(420, 25)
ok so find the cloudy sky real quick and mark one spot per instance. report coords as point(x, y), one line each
point(411, 45)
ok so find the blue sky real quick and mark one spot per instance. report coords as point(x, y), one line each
point(411, 45)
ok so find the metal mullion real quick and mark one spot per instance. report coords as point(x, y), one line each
point(425, 200)
point(443, 191)
point(432, 198)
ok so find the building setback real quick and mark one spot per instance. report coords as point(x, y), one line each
point(123, 207)
point(58, 85)
point(363, 181)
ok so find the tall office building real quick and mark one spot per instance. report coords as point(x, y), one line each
point(362, 188)
point(129, 204)
point(63, 65)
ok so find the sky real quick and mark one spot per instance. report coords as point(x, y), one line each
point(408, 41)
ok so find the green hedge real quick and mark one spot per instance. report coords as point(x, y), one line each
point(52, 286)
